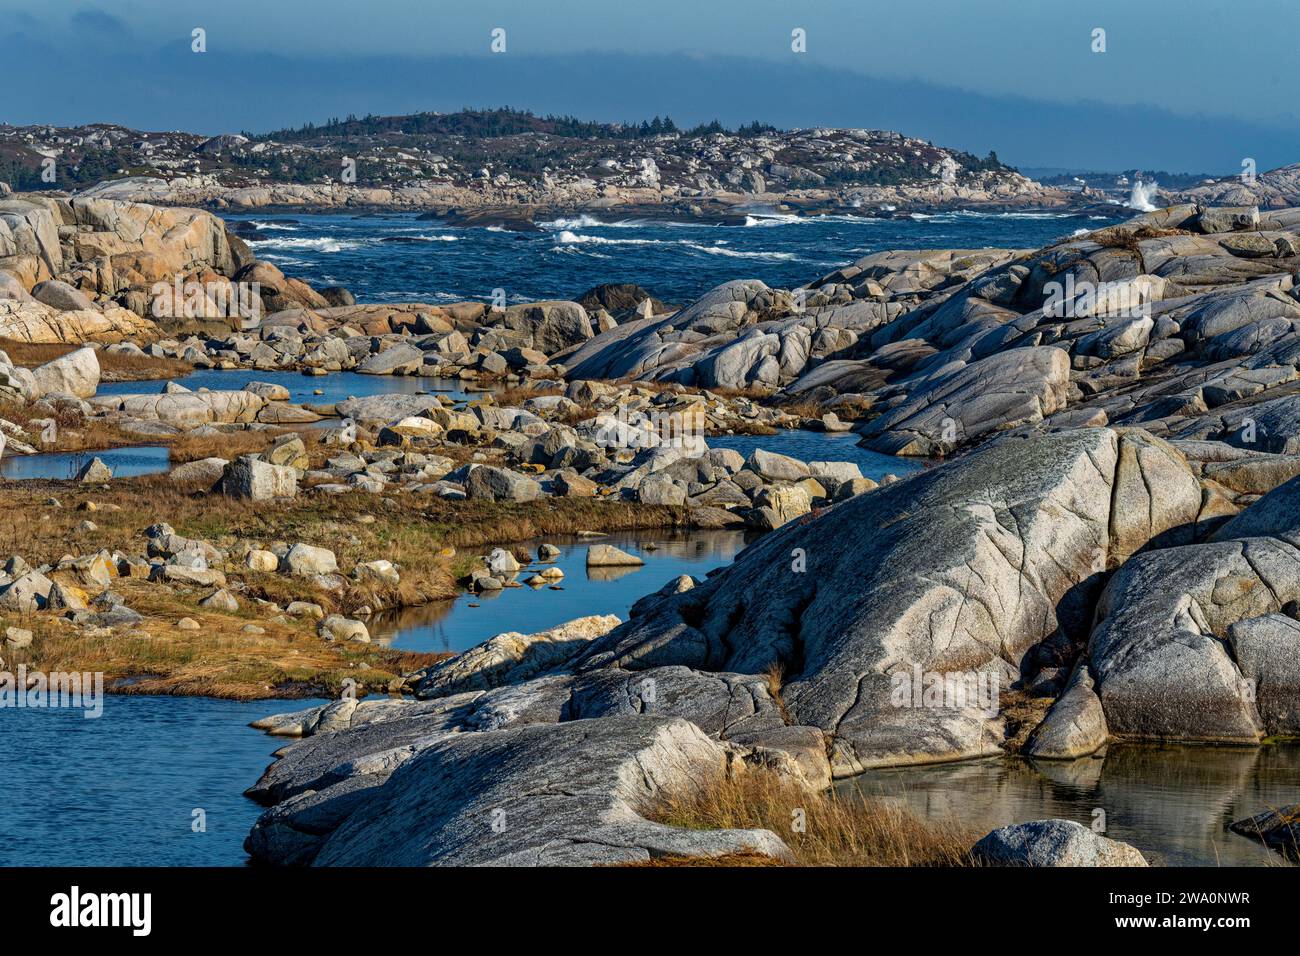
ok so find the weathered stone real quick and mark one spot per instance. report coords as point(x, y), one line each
point(608, 556)
point(512, 658)
point(257, 480)
point(501, 484)
point(1053, 843)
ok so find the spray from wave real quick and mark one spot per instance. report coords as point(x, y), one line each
point(1142, 195)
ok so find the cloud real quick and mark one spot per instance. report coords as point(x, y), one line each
point(99, 24)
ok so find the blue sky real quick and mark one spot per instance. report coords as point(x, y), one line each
point(1185, 85)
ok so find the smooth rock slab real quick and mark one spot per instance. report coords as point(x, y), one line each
point(608, 556)
point(568, 794)
point(960, 569)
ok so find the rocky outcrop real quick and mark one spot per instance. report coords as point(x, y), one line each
point(963, 569)
point(442, 783)
point(90, 268)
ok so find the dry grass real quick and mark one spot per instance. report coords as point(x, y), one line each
point(837, 831)
point(217, 660)
point(72, 431)
point(518, 394)
point(1120, 237)
point(229, 445)
point(113, 366)
point(775, 680)
point(289, 660)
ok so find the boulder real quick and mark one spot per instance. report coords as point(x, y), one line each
point(76, 373)
point(250, 477)
point(1052, 843)
point(336, 627)
point(94, 471)
point(608, 556)
point(959, 570)
point(306, 560)
point(501, 484)
point(512, 658)
point(489, 798)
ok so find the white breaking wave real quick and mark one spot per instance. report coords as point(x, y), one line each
point(321, 244)
point(737, 254)
point(273, 225)
point(773, 219)
point(1141, 196)
point(572, 238)
point(579, 222)
point(763, 220)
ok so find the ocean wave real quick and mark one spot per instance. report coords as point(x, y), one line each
point(320, 244)
point(273, 225)
point(763, 219)
point(568, 238)
point(718, 250)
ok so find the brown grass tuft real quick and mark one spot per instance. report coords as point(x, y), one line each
point(838, 830)
point(113, 366)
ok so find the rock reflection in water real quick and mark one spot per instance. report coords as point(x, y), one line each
point(1172, 802)
point(456, 625)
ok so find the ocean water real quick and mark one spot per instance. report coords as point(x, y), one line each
point(122, 790)
point(394, 257)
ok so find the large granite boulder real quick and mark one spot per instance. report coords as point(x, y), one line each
point(957, 406)
point(76, 373)
point(960, 570)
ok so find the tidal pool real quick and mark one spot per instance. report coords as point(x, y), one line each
point(458, 625)
point(1172, 802)
point(126, 462)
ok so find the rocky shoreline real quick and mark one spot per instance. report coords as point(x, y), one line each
point(1107, 552)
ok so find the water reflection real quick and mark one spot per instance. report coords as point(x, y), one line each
point(59, 466)
point(1173, 802)
point(458, 625)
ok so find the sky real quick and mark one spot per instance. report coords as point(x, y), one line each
point(1184, 85)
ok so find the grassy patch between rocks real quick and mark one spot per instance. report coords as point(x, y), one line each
point(113, 366)
point(836, 831)
point(434, 542)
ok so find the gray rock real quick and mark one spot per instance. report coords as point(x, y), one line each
point(307, 560)
point(608, 556)
point(501, 484)
point(76, 373)
point(94, 471)
point(1075, 726)
point(397, 360)
point(773, 467)
point(61, 296)
point(957, 406)
point(252, 478)
point(962, 569)
point(491, 798)
point(1053, 843)
point(1279, 829)
point(1267, 651)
